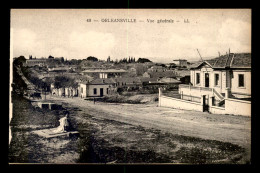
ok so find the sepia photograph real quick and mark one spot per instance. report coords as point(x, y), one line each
point(130, 86)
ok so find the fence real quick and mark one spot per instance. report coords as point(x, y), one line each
point(198, 91)
point(173, 93)
point(187, 102)
point(191, 98)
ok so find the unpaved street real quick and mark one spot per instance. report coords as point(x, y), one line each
point(225, 128)
point(125, 133)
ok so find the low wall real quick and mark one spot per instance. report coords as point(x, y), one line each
point(217, 110)
point(238, 107)
point(179, 104)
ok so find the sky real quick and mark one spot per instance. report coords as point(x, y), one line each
point(67, 33)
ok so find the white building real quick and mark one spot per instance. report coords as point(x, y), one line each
point(231, 71)
point(221, 86)
point(104, 73)
point(97, 88)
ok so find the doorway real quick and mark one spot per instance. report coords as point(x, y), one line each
point(205, 103)
point(206, 79)
point(101, 92)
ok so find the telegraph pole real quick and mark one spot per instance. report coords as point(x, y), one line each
point(199, 55)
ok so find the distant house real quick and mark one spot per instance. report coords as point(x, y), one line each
point(64, 91)
point(58, 69)
point(155, 83)
point(169, 80)
point(104, 73)
point(97, 88)
point(181, 62)
point(169, 74)
point(184, 79)
point(146, 75)
point(128, 82)
point(156, 69)
point(35, 62)
point(183, 76)
point(133, 71)
point(146, 80)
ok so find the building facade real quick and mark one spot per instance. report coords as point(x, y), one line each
point(97, 88)
point(232, 71)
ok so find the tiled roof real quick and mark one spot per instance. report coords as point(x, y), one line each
point(147, 79)
point(232, 60)
point(128, 80)
point(162, 74)
point(85, 79)
point(241, 60)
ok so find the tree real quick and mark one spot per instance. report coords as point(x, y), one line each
point(36, 81)
point(143, 60)
point(19, 61)
point(92, 58)
point(19, 85)
point(63, 81)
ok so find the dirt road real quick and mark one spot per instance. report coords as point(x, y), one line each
point(225, 128)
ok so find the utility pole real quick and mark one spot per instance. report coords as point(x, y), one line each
point(199, 55)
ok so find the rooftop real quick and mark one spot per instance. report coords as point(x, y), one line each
point(104, 71)
point(162, 74)
point(179, 60)
point(169, 80)
point(232, 60)
point(128, 80)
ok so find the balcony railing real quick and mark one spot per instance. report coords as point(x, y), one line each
point(195, 87)
point(199, 89)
